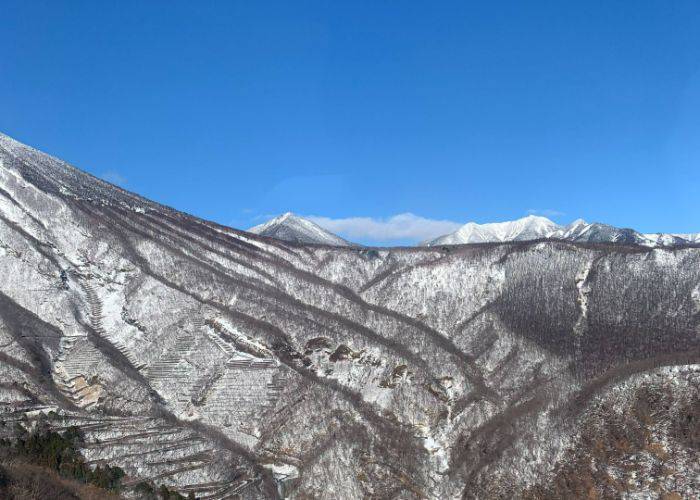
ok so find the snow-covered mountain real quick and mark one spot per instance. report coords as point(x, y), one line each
point(531, 227)
point(534, 227)
point(582, 231)
point(225, 365)
point(291, 227)
point(668, 240)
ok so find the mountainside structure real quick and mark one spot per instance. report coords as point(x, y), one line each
point(233, 365)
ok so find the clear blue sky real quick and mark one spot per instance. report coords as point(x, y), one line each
point(449, 110)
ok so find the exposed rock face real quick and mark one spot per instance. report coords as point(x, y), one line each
point(223, 363)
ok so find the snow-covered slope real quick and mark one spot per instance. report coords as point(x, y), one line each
point(290, 227)
point(533, 228)
point(596, 232)
point(230, 365)
point(665, 239)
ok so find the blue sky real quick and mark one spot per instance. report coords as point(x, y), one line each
point(451, 111)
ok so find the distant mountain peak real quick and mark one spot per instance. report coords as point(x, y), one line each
point(533, 227)
point(280, 219)
point(292, 227)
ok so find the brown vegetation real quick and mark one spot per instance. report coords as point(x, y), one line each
point(22, 481)
point(614, 440)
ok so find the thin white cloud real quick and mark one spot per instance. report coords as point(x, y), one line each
point(113, 177)
point(263, 217)
point(406, 226)
point(546, 212)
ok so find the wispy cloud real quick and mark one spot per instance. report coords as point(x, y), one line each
point(546, 212)
point(406, 226)
point(114, 177)
point(263, 217)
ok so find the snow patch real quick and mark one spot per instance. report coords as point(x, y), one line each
point(583, 290)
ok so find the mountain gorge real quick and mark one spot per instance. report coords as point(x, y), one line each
point(230, 364)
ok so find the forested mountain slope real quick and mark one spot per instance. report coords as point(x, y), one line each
point(224, 363)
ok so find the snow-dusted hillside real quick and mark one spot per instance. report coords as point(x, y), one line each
point(290, 227)
point(232, 365)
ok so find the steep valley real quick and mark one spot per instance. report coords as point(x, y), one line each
point(233, 365)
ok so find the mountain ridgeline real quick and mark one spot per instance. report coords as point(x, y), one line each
point(535, 227)
point(226, 364)
point(291, 227)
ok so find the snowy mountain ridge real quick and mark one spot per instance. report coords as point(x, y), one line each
point(531, 227)
point(535, 227)
point(297, 229)
point(291, 227)
point(224, 364)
